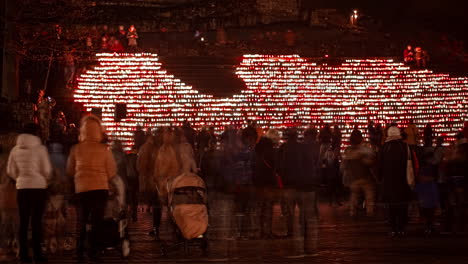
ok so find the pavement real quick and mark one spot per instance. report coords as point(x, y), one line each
point(334, 238)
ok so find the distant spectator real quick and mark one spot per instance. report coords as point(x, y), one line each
point(132, 36)
point(408, 55)
point(115, 45)
point(290, 38)
point(420, 56)
point(104, 44)
point(121, 35)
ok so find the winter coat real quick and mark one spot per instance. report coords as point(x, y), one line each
point(241, 170)
point(357, 164)
point(145, 165)
point(392, 163)
point(311, 166)
point(291, 164)
point(412, 133)
point(91, 163)
point(167, 167)
point(29, 164)
point(265, 160)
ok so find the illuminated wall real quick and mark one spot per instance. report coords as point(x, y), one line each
point(282, 91)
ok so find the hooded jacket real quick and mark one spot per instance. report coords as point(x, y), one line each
point(29, 164)
point(91, 163)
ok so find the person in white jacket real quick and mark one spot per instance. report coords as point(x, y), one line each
point(29, 166)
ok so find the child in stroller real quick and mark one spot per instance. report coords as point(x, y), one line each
point(112, 233)
point(187, 200)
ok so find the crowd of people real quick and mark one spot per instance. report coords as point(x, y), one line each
point(252, 167)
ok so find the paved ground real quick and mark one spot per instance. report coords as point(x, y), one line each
point(337, 239)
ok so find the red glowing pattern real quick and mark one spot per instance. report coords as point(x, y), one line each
point(282, 91)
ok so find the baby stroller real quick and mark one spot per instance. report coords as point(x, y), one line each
point(112, 233)
point(187, 201)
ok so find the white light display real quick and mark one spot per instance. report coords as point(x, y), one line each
point(282, 91)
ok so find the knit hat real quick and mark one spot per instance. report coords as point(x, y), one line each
point(393, 131)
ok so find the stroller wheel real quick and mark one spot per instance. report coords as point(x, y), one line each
point(125, 248)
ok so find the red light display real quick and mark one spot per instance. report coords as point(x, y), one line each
point(282, 91)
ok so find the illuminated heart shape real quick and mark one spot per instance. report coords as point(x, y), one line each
point(282, 91)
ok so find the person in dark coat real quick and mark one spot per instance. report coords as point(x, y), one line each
point(325, 135)
point(291, 170)
point(139, 137)
point(265, 181)
point(311, 182)
point(392, 167)
point(428, 135)
point(457, 176)
point(336, 138)
point(249, 134)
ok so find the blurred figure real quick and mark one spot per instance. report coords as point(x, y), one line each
point(408, 55)
point(185, 153)
point(55, 216)
point(412, 133)
point(325, 135)
point(420, 56)
point(428, 135)
point(189, 133)
point(29, 166)
point(427, 192)
point(242, 184)
point(336, 138)
point(457, 175)
point(310, 186)
point(291, 170)
point(139, 137)
point(115, 45)
point(121, 35)
point(8, 213)
point(265, 181)
point(132, 37)
point(392, 170)
point(249, 134)
point(133, 184)
point(91, 165)
point(357, 164)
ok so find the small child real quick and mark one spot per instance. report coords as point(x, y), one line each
point(428, 194)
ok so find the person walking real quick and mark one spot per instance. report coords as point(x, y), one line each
point(457, 176)
point(265, 181)
point(412, 133)
point(91, 165)
point(392, 170)
point(30, 167)
point(357, 164)
point(291, 170)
